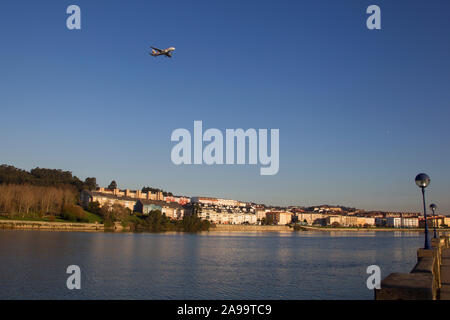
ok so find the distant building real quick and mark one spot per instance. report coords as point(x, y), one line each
point(400, 214)
point(446, 221)
point(137, 194)
point(224, 213)
point(216, 201)
point(136, 201)
point(106, 199)
point(328, 209)
point(170, 210)
point(260, 214)
point(369, 221)
point(397, 222)
point(393, 222)
point(410, 222)
point(333, 220)
point(280, 218)
point(380, 222)
point(218, 216)
point(311, 218)
point(146, 206)
point(350, 221)
point(178, 199)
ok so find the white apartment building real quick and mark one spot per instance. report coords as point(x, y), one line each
point(393, 222)
point(215, 201)
point(227, 218)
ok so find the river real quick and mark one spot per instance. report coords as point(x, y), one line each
point(210, 265)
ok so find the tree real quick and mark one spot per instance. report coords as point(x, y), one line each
point(113, 185)
point(156, 221)
point(155, 190)
point(193, 223)
point(90, 183)
point(43, 177)
point(94, 207)
point(197, 208)
point(30, 200)
point(335, 224)
point(269, 220)
point(107, 214)
point(119, 212)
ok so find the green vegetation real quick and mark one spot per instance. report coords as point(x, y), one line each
point(300, 228)
point(44, 177)
point(77, 214)
point(113, 185)
point(336, 225)
point(93, 218)
point(52, 195)
point(155, 190)
point(45, 218)
point(267, 221)
point(155, 221)
point(74, 213)
point(43, 195)
point(35, 201)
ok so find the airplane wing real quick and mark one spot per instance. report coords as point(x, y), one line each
point(156, 49)
point(169, 54)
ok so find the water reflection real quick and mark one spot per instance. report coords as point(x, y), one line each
point(216, 265)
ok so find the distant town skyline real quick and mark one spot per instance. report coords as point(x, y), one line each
point(148, 186)
point(360, 112)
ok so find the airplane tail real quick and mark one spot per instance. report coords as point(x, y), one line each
point(153, 51)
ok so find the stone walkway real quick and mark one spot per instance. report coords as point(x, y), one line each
point(445, 275)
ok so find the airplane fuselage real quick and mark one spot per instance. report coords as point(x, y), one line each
point(162, 52)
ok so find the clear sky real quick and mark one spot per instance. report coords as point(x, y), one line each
point(360, 112)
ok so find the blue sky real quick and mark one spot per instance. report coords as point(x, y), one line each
point(360, 112)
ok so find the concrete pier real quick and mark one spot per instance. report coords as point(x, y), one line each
point(428, 280)
point(445, 275)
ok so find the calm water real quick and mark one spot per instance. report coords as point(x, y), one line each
point(302, 265)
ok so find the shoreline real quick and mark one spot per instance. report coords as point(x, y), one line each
point(99, 227)
point(324, 229)
point(52, 226)
point(249, 228)
point(275, 228)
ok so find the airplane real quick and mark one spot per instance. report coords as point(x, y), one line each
point(162, 52)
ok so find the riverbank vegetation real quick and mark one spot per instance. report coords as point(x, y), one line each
point(38, 201)
point(44, 177)
point(155, 221)
point(58, 204)
point(52, 195)
point(43, 194)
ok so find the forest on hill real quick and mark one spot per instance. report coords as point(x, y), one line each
point(44, 177)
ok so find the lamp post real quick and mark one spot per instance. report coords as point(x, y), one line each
point(433, 208)
point(422, 181)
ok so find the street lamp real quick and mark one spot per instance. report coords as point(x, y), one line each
point(433, 208)
point(422, 181)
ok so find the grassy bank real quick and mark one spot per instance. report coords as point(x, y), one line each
point(89, 218)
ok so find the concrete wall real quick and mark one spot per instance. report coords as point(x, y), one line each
point(424, 282)
point(40, 225)
point(225, 227)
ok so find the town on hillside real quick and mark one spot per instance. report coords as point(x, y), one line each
point(226, 211)
point(54, 194)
